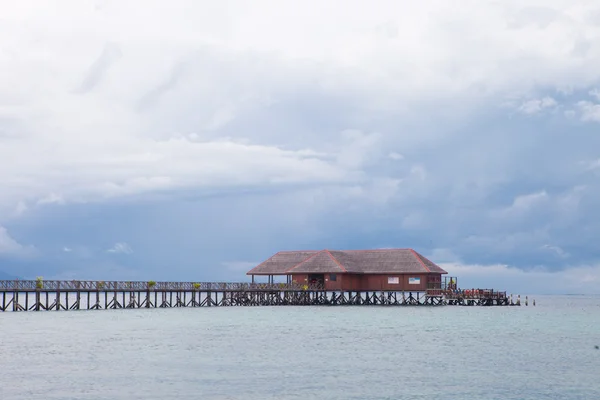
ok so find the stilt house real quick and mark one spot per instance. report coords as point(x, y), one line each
point(360, 270)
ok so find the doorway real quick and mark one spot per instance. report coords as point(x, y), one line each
point(316, 280)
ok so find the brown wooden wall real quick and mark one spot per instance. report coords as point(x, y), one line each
point(369, 282)
point(380, 282)
point(352, 282)
point(300, 279)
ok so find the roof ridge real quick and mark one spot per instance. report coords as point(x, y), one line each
point(422, 257)
point(419, 259)
point(296, 251)
point(336, 261)
point(305, 260)
point(360, 250)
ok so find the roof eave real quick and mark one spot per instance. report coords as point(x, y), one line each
point(267, 273)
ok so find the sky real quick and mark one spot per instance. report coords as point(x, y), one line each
point(191, 140)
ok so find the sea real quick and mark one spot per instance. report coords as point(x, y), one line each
point(343, 352)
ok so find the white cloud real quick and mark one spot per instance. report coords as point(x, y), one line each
point(20, 209)
point(556, 250)
point(396, 156)
point(419, 172)
point(102, 124)
point(120, 248)
point(536, 105)
point(591, 165)
point(52, 198)
point(527, 201)
point(358, 148)
point(582, 279)
point(589, 111)
point(595, 93)
point(83, 252)
point(10, 247)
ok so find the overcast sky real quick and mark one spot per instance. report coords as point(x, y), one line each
point(190, 140)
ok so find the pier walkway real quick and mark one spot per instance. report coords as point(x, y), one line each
point(42, 295)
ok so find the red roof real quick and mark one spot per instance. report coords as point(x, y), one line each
point(377, 261)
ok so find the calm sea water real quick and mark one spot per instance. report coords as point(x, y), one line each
point(542, 352)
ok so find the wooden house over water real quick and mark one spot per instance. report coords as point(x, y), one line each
point(354, 270)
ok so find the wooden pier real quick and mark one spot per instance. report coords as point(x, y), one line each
point(39, 295)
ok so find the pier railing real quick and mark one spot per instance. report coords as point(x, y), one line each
point(109, 286)
point(468, 293)
point(139, 286)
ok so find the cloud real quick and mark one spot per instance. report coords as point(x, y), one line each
point(358, 148)
point(11, 248)
point(110, 54)
point(148, 149)
point(120, 248)
point(527, 201)
point(149, 166)
point(591, 165)
point(20, 209)
point(468, 129)
point(590, 112)
point(575, 280)
point(52, 198)
point(557, 250)
point(537, 105)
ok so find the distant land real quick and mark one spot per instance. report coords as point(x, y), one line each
point(5, 276)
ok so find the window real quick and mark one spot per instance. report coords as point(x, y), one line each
point(393, 280)
point(332, 277)
point(414, 281)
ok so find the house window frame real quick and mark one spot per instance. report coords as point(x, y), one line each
point(333, 277)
